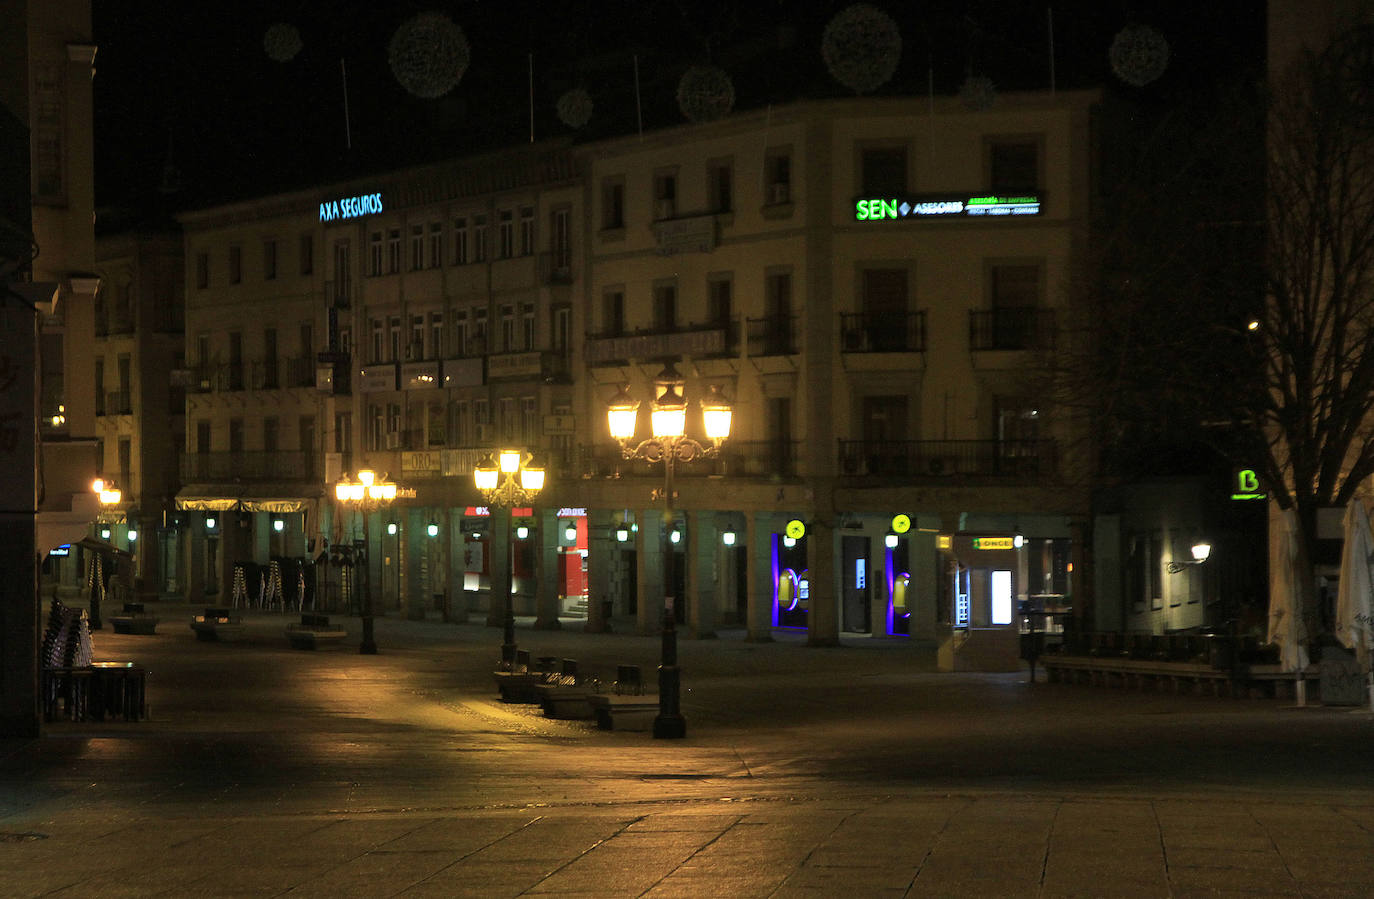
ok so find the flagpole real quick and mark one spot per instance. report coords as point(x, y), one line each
point(639, 107)
point(348, 128)
point(531, 59)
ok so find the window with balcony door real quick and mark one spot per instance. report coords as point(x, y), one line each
point(479, 331)
point(529, 420)
point(1018, 435)
point(269, 260)
point(393, 251)
point(720, 185)
point(307, 254)
point(417, 247)
point(1015, 319)
point(508, 329)
point(560, 239)
point(777, 175)
point(505, 233)
point(510, 421)
point(343, 432)
point(378, 340)
point(526, 230)
point(460, 425)
point(885, 307)
point(882, 171)
point(527, 323)
point(394, 327)
point(665, 306)
point(343, 270)
point(436, 335)
point(436, 244)
point(271, 434)
point(613, 312)
point(460, 241)
point(374, 254)
point(613, 203)
point(1013, 165)
point(415, 349)
point(235, 264)
point(665, 194)
point(459, 346)
point(885, 434)
point(479, 238)
point(436, 425)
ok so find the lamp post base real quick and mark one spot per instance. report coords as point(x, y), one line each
point(669, 723)
point(369, 645)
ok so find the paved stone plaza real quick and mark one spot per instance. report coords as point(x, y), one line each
point(855, 771)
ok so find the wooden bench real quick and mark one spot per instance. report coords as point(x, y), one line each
point(134, 620)
point(313, 632)
point(217, 625)
point(617, 711)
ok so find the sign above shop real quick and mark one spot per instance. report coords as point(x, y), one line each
point(868, 209)
point(350, 207)
point(1246, 486)
point(996, 542)
point(796, 529)
point(901, 524)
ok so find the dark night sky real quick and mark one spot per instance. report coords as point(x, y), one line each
point(194, 77)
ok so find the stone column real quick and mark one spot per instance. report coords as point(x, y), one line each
point(926, 589)
point(601, 548)
point(415, 539)
point(823, 617)
point(649, 572)
point(702, 551)
point(498, 566)
point(879, 602)
point(546, 586)
point(758, 530)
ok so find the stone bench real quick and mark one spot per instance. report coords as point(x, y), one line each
point(313, 632)
point(134, 620)
point(217, 625)
point(570, 702)
point(615, 711)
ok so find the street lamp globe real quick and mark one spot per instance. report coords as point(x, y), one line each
point(716, 414)
point(485, 475)
point(622, 414)
point(669, 414)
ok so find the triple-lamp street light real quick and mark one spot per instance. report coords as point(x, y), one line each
point(510, 479)
point(369, 492)
point(110, 496)
point(669, 444)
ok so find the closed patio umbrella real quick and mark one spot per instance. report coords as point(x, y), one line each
point(1286, 628)
point(1355, 594)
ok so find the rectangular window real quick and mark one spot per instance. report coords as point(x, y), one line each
point(1015, 286)
point(460, 332)
point(202, 435)
point(479, 330)
point(202, 271)
point(269, 260)
point(343, 432)
point(236, 435)
point(235, 264)
point(415, 349)
point(882, 171)
point(393, 251)
point(510, 422)
point(665, 194)
point(720, 185)
point(479, 238)
point(508, 328)
point(460, 241)
point(481, 412)
point(459, 424)
point(777, 172)
point(307, 254)
point(417, 247)
point(529, 420)
point(436, 335)
point(394, 326)
point(526, 230)
point(1014, 166)
point(560, 239)
point(613, 203)
point(374, 254)
point(505, 233)
point(343, 269)
point(377, 427)
point(719, 297)
point(436, 244)
point(665, 307)
point(271, 429)
point(613, 312)
point(527, 325)
point(436, 427)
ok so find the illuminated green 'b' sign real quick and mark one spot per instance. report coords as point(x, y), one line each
point(1247, 485)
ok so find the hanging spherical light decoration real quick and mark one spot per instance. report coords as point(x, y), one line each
point(575, 108)
point(861, 47)
point(1139, 54)
point(977, 92)
point(705, 93)
point(428, 54)
point(282, 42)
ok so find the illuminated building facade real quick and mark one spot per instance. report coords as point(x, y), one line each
point(873, 283)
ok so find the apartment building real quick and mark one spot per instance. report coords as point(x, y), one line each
point(872, 283)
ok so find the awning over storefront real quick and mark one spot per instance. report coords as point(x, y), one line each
point(211, 500)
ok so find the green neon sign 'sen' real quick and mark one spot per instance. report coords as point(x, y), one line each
point(875, 209)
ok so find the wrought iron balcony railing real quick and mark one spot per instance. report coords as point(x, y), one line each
point(947, 458)
point(774, 335)
point(1011, 328)
point(883, 332)
point(280, 465)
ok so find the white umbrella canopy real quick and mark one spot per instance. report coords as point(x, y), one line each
point(1286, 628)
point(1355, 593)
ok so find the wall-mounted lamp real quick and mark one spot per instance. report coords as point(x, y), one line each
point(728, 538)
point(432, 529)
point(789, 542)
point(1201, 552)
point(278, 525)
point(104, 533)
point(675, 535)
point(391, 528)
point(522, 532)
point(570, 532)
point(132, 533)
point(890, 541)
point(622, 534)
point(211, 523)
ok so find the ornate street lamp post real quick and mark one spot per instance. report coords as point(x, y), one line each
point(110, 497)
point(510, 479)
point(669, 444)
point(369, 492)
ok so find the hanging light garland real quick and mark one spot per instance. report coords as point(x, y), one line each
point(861, 47)
point(977, 93)
point(428, 55)
point(705, 93)
point(575, 108)
point(1139, 54)
point(282, 42)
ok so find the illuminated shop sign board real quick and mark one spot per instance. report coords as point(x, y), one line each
point(1247, 486)
point(870, 209)
point(901, 524)
point(994, 543)
point(350, 207)
point(796, 529)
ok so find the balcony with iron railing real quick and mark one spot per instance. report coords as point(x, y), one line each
point(712, 339)
point(114, 324)
point(266, 374)
point(118, 402)
point(947, 458)
point(774, 335)
point(556, 267)
point(1011, 328)
point(883, 332)
point(279, 465)
point(339, 294)
point(737, 458)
